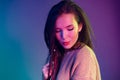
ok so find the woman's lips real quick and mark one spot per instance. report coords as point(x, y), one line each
point(66, 43)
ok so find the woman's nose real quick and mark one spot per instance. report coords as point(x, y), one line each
point(63, 35)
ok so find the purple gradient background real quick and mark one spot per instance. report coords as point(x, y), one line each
point(22, 47)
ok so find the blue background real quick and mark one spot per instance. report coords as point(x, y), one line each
point(22, 47)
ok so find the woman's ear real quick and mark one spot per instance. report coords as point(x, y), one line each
point(80, 27)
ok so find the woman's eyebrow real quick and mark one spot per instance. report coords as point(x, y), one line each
point(69, 26)
point(65, 26)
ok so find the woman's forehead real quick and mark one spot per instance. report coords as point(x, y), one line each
point(65, 20)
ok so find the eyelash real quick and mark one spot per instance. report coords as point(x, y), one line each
point(57, 31)
point(67, 29)
point(70, 29)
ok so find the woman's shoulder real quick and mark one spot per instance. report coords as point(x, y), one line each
point(81, 47)
point(84, 49)
point(85, 52)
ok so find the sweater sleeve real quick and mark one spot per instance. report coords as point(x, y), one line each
point(84, 67)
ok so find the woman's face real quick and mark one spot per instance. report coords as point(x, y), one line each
point(67, 30)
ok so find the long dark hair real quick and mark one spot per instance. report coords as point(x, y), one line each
point(55, 49)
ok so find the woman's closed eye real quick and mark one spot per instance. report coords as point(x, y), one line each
point(58, 30)
point(70, 29)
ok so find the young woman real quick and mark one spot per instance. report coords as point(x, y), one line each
point(68, 37)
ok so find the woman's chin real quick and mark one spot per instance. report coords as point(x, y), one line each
point(67, 47)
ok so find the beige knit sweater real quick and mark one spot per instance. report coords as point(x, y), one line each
point(79, 64)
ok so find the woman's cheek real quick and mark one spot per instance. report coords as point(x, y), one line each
point(58, 36)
